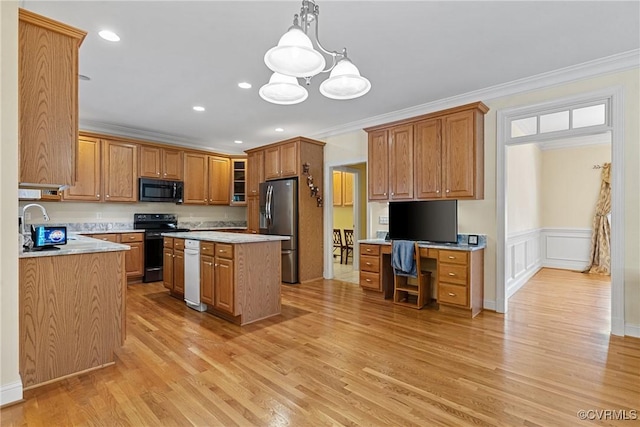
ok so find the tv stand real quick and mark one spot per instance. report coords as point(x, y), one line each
point(457, 274)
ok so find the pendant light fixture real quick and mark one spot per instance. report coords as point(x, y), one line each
point(295, 57)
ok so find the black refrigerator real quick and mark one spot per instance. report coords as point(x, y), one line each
point(279, 215)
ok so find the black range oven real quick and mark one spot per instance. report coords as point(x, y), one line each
point(154, 225)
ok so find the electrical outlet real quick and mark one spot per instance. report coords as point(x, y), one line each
point(383, 220)
point(98, 215)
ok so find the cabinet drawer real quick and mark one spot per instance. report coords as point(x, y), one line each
point(370, 263)
point(131, 237)
point(370, 249)
point(106, 237)
point(224, 251)
point(207, 248)
point(452, 273)
point(370, 280)
point(452, 294)
point(453, 257)
point(178, 244)
point(168, 242)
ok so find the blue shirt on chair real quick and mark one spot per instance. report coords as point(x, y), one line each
point(403, 258)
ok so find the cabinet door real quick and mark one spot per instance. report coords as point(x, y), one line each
point(253, 214)
point(171, 164)
point(238, 182)
point(401, 162)
point(255, 172)
point(195, 179)
point(167, 268)
point(47, 99)
point(347, 189)
point(378, 164)
point(458, 155)
point(178, 271)
point(223, 292)
point(134, 259)
point(88, 185)
point(206, 279)
point(289, 159)
point(150, 162)
point(337, 188)
point(120, 171)
point(428, 159)
point(219, 184)
point(272, 162)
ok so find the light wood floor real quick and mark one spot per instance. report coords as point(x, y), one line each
point(335, 358)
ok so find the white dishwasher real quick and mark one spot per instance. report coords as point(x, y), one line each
point(192, 275)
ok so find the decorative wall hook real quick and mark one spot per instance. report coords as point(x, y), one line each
point(315, 190)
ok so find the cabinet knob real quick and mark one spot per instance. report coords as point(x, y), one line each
point(452, 257)
point(107, 196)
point(97, 196)
point(165, 174)
point(207, 263)
point(451, 294)
point(368, 280)
point(368, 250)
point(215, 265)
point(384, 194)
point(447, 191)
point(368, 263)
point(452, 274)
point(393, 194)
point(437, 191)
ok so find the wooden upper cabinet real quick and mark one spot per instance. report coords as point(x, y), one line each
point(89, 184)
point(255, 172)
point(219, 180)
point(281, 160)
point(437, 155)
point(120, 171)
point(378, 165)
point(161, 163)
point(337, 188)
point(428, 158)
point(347, 188)
point(460, 155)
point(238, 178)
point(47, 99)
point(253, 214)
point(401, 162)
point(195, 178)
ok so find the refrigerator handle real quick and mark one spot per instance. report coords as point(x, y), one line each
point(269, 198)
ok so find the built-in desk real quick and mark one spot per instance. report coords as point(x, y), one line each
point(457, 273)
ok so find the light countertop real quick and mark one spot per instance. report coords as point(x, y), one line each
point(77, 244)
point(222, 237)
point(433, 245)
point(88, 233)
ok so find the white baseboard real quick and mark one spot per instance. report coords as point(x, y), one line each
point(10, 393)
point(566, 248)
point(489, 305)
point(632, 330)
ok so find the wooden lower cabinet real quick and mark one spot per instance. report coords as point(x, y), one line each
point(370, 267)
point(178, 271)
point(134, 257)
point(167, 268)
point(224, 285)
point(206, 279)
point(173, 265)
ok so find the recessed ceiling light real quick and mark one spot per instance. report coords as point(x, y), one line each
point(238, 141)
point(244, 85)
point(279, 130)
point(198, 108)
point(109, 35)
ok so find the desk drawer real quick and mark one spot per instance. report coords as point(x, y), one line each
point(452, 273)
point(452, 294)
point(207, 248)
point(370, 263)
point(453, 257)
point(370, 280)
point(224, 250)
point(131, 237)
point(369, 249)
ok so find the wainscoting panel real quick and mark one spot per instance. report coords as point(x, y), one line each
point(523, 258)
point(566, 248)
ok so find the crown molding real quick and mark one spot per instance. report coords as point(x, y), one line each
point(602, 66)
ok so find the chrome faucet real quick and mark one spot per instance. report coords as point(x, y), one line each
point(24, 209)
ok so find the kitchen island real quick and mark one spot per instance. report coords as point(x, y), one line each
point(72, 309)
point(240, 274)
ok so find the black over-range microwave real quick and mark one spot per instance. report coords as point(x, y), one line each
point(159, 190)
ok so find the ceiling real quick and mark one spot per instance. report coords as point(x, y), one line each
point(174, 55)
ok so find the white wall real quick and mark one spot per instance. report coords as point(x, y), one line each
point(10, 384)
point(524, 188)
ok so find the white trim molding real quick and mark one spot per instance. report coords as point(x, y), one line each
point(632, 330)
point(11, 392)
point(566, 248)
point(523, 259)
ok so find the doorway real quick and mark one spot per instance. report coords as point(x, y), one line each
point(531, 118)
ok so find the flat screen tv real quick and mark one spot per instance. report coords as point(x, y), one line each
point(432, 221)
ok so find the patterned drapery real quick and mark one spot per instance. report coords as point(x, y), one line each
point(600, 260)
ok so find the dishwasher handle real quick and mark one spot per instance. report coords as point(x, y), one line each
point(191, 252)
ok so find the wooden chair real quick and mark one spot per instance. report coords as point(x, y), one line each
point(348, 245)
point(413, 295)
point(337, 243)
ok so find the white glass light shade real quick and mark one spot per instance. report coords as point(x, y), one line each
point(283, 90)
point(345, 82)
point(294, 55)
